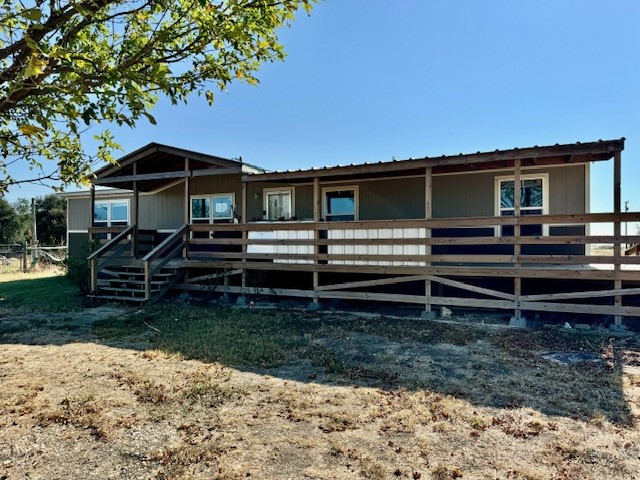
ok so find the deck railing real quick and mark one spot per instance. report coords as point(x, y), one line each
point(455, 259)
point(115, 247)
point(414, 250)
point(157, 258)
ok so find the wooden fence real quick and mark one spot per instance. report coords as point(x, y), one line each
point(25, 255)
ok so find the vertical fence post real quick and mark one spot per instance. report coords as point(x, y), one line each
point(24, 256)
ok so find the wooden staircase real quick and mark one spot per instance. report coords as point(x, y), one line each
point(126, 283)
point(116, 274)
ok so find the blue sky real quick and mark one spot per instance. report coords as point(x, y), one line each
point(368, 80)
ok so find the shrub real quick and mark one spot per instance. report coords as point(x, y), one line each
point(78, 270)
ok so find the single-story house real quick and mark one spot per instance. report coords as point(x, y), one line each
point(450, 230)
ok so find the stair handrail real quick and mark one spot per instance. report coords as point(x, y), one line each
point(93, 258)
point(157, 252)
point(633, 250)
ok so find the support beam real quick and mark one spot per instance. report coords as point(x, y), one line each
point(243, 219)
point(135, 210)
point(316, 235)
point(517, 201)
point(428, 212)
point(617, 207)
point(92, 209)
point(187, 204)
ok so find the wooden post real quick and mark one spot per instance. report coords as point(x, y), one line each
point(428, 213)
point(34, 237)
point(147, 280)
point(245, 235)
point(135, 214)
point(24, 256)
point(517, 280)
point(94, 262)
point(187, 206)
point(94, 274)
point(92, 209)
point(617, 204)
point(316, 235)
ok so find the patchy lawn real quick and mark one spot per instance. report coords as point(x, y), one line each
point(191, 392)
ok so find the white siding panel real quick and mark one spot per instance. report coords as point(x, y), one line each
point(373, 251)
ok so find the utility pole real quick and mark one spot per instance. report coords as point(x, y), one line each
point(34, 237)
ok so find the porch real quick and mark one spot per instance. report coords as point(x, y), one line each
point(388, 261)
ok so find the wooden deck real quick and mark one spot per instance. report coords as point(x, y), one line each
point(395, 261)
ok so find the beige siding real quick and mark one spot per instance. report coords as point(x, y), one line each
point(303, 199)
point(391, 199)
point(79, 213)
point(473, 194)
point(164, 210)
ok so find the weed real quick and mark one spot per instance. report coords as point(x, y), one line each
point(442, 472)
point(211, 394)
point(151, 392)
point(372, 469)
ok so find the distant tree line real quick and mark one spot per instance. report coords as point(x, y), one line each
point(16, 221)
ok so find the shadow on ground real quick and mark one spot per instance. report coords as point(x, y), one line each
point(486, 365)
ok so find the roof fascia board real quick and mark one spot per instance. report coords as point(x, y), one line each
point(601, 147)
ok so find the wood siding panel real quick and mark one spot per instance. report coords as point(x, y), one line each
point(303, 199)
point(391, 199)
point(79, 213)
point(163, 210)
point(473, 194)
point(78, 245)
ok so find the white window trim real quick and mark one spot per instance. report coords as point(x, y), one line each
point(211, 197)
point(545, 196)
point(278, 190)
point(339, 188)
point(109, 202)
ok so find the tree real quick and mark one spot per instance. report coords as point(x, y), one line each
point(67, 65)
point(22, 207)
point(51, 220)
point(9, 224)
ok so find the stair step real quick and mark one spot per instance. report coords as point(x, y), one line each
point(119, 299)
point(121, 289)
point(129, 282)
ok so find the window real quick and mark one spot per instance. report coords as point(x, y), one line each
point(340, 204)
point(533, 201)
point(278, 204)
point(111, 213)
point(208, 208)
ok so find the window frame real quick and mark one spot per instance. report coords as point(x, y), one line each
point(341, 188)
point(211, 196)
point(109, 220)
point(528, 176)
point(278, 190)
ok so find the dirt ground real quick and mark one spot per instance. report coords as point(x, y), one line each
point(359, 404)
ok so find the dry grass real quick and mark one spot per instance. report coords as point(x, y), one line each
point(351, 400)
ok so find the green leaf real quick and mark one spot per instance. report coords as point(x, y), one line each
point(152, 120)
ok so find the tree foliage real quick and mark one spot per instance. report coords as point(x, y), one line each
point(51, 220)
point(9, 224)
point(66, 65)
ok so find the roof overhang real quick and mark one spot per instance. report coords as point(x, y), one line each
point(498, 159)
point(155, 166)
